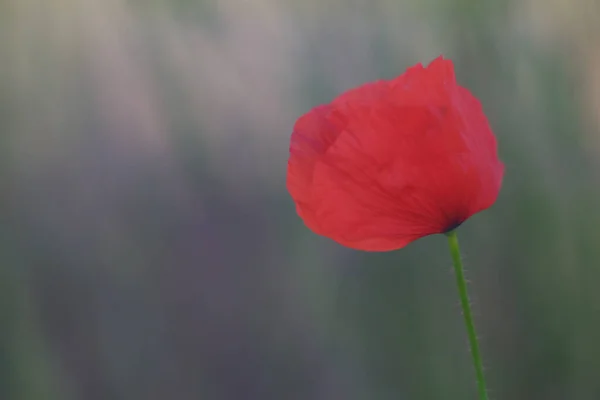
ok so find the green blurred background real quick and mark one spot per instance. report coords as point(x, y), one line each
point(149, 249)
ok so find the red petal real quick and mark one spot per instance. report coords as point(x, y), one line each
point(390, 162)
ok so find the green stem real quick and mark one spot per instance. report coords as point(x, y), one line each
point(464, 301)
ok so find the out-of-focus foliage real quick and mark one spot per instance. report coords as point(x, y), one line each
point(149, 249)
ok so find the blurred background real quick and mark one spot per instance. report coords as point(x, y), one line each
point(149, 249)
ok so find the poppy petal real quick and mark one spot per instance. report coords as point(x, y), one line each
point(392, 161)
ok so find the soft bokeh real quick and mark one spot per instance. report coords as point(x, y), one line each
point(149, 249)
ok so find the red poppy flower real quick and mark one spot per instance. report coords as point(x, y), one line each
point(392, 161)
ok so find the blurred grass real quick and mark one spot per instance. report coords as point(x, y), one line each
point(150, 249)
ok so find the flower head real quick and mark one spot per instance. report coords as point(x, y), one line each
point(392, 161)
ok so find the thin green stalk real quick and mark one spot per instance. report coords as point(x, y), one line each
point(466, 307)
